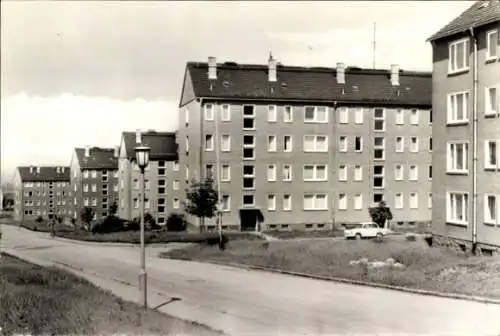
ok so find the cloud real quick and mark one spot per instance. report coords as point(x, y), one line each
point(44, 130)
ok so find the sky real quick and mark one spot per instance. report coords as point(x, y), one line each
point(79, 73)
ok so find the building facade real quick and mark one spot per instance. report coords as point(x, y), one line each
point(162, 187)
point(94, 180)
point(41, 191)
point(466, 85)
point(307, 147)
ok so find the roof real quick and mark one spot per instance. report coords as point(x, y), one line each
point(47, 173)
point(249, 81)
point(99, 158)
point(163, 145)
point(479, 14)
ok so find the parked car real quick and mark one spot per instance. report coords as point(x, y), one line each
point(365, 230)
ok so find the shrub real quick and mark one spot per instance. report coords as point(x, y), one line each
point(59, 219)
point(176, 222)
point(411, 237)
point(150, 222)
point(108, 225)
point(39, 219)
point(428, 240)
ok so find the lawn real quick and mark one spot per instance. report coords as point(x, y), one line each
point(425, 267)
point(305, 234)
point(37, 300)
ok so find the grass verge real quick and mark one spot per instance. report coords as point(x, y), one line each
point(37, 300)
point(426, 268)
point(305, 234)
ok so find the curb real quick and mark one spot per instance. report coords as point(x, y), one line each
point(364, 283)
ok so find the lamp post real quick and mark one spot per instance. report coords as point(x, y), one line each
point(142, 158)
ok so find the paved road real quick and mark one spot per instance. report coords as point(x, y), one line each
point(243, 302)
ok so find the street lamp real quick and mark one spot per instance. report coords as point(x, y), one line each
point(142, 158)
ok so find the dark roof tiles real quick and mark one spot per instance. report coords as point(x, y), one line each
point(47, 173)
point(99, 158)
point(163, 145)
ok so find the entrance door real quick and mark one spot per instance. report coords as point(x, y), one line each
point(248, 219)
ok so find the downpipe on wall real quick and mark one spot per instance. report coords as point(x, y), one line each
point(474, 140)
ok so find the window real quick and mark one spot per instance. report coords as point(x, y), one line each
point(271, 172)
point(342, 173)
point(209, 142)
point(430, 172)
point(358, 115)
point(248, 147)
point(358, 201)
point(398, 201)
point(94, 173)
point(343, 143)
point(430, 144)
point(315, 143)
point(378, 176)
point(315, 173)
point(187, 144)
point(491, 44)
point(491, 206)
point(161, 190)
point(358, 173)
point(316, 114)
point(249, 117)
point(115, 187)
point(225, 173)
point(187, 172)
point(413, 200)
point(271, 143)
point(225, 112)
point(225, 143)
point(186, 116)
point(379, 148)
point(287, 143)
point(343, 115)
point(399, 172)
point(162, 171)
point(272, 113)
point(429, 200)
point(85, 174)
point(414, 117)
point(491, 154)
point(176, 203)
point(209, 170)
point(457, 157)
point(315, 202)
point(413, 144)
point(458, 59)
point(491, 100)
point(287, 172)
point(146, 203)
point(248, 177)
point(287, 202)
point(413, 172)
point(458, 103)
point(457, 208)
point(288, 114)
point(175, 166)
point(175, 185)
point(271, 202)
point(379, 120)
point(94, 187)
point(248, 200)
point(400, 117)
point(209, 112)
point(342, 202)
point(226, 203)
point(162, 183)
point(85, 188)
point(358, 144)
point(400, 144)
point(94, 201)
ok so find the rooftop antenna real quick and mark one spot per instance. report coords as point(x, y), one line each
point(374, 42)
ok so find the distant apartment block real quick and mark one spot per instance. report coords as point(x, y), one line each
point(162, 187)
point(41, 191)
point(94, 180)
point(466, 86)
point(307, 148)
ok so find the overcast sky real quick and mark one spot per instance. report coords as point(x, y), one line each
point(77, 73)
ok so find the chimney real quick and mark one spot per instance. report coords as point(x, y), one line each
point(394, 75)
point(272, 73)
point(31, 169)
point(138, 136)
point(117, 151)
point(87, 151)
point(58, 170)
point(212, 67)
point(340, 73)
point(62, 169)
point(38, 170)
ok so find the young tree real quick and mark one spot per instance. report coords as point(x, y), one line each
point(113, 209)
point(201, 201)
point(87, 215)
point(380, 214)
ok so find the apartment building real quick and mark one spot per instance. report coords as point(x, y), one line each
point(162, 188)
point(41, 191)
point(94, 180)
point(307, 147)
point(466, 84)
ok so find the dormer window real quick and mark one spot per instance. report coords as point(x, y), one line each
point(458, 59)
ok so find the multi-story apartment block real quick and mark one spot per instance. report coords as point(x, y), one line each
point(466, 128)
point(307, 147)
point(162, 187)
point(41, 191)
point(94, 180)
